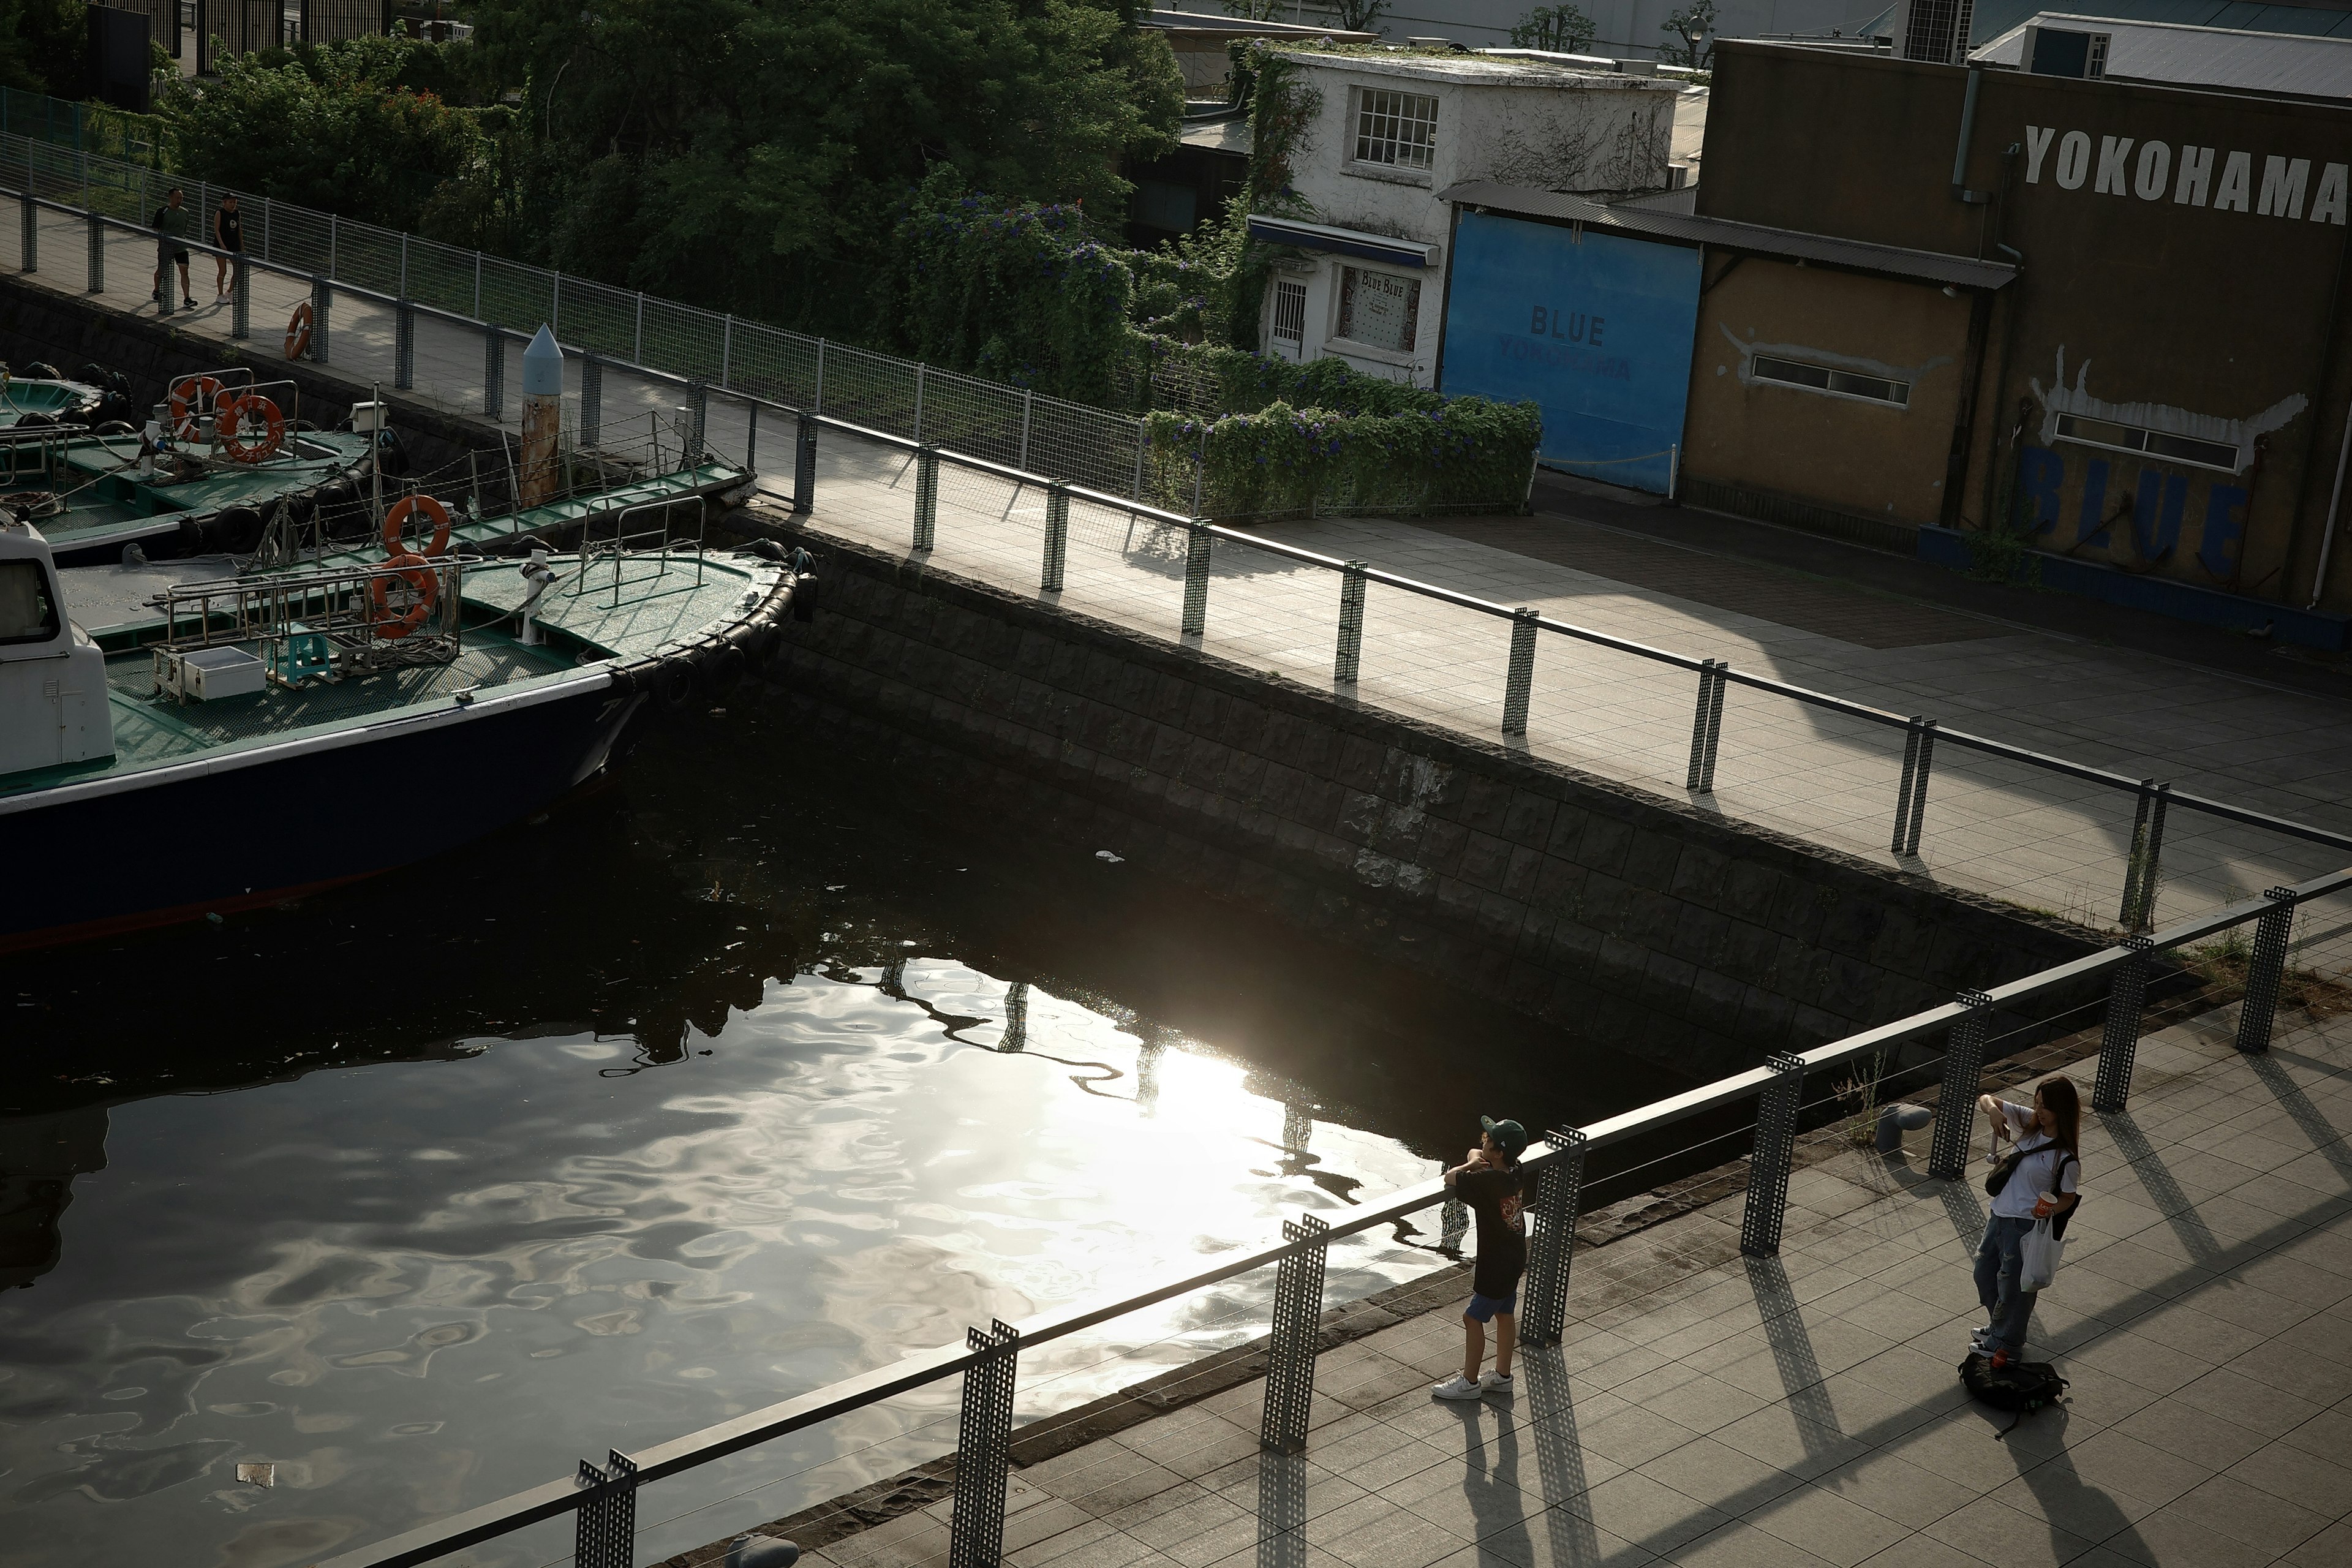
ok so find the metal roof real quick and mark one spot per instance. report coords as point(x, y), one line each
point(1890, 260)
point(1994, 19)
point(2305, 64)
point(1342, 241)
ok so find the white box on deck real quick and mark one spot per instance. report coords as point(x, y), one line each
point(210, 674)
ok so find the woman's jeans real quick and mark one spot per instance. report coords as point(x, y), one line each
point(1999, 1263)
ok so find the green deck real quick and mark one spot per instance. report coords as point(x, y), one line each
point(108, 503)
point(18, 398)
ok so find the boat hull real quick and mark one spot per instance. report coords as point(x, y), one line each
point(247, 828)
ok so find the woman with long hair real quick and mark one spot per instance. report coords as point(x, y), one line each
point(2039, 1178)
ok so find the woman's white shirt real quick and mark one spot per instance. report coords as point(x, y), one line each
point(2038, 1173)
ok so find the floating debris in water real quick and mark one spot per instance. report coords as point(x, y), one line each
point(1106, 855)
point(254, 1474)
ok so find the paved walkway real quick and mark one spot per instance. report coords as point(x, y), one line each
point(1994, 827)
point(1802, 1411)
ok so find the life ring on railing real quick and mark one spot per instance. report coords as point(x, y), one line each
point(250, 427)
point(395, 621)
point(396, 521)
point(297, 332)
point(192, 396)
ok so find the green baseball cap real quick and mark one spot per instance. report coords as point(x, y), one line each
point(1508, 1136)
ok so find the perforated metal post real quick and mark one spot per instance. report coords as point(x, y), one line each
point(2145, 872)
point(1348, 664)
point(30, 241)
point(592, 399)
point(322, 293)
point(165, 277)
point(1707, 727)
point(804, 465)
point(1196, 581)
point(2260, 1006)
point(96, 254)
point(494, 373)
point(1768, 1167)
point(2120, 1042)
point(1955, 1101)
point(1520, 680)
point(983, 1448)
point(1298, 1332)
point(1544, 1318)
point(240, 317)
point(1057, 538)
point(698, 422)
point(927, 499)
point(1919, 786)
point(607, 1529)
point(403, 344)
point(1911, 794)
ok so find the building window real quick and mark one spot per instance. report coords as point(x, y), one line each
point(1836, 383)
point(1290, 313)
point(2097, 65)
point(2153, 443)
point(1379, 309)
point(1398, 128)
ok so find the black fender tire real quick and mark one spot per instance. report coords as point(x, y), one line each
point(723, 669)
point(674, 684)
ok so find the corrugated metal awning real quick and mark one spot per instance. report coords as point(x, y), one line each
point(1341, 241)
point(1889, 261)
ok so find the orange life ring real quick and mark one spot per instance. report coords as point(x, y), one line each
point(392, 623)
point(192, 395)
point(297, 332)
point(263, 427)
point(395, 519)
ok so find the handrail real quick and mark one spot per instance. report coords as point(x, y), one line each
point(919, 1368)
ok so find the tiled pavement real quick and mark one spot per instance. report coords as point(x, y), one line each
point(1802, 1411)
point(1991, 828)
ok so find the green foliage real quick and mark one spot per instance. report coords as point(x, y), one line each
point(45, 46)
point(1563, 28)
point(1998, 554)
point(333, 128)
point(1693, 26)
point(1281, 460)
point(1018, 292)
point(1246, 383)
point(749, 154)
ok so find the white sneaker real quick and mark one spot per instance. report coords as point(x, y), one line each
point(1497, 1383)
point(1458, 1387)
point(1981, 1341)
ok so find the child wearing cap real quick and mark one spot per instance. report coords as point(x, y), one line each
point(1492, 1184)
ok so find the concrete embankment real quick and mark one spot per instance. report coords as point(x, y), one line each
point(1642, 921)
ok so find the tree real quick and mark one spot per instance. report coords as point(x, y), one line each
point(1358, 15)
point(45, 46)
point(1564, 29)
point(1694, 30)
point(749, 154)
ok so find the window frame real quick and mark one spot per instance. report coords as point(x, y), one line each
point(1361, 109)
point(2062, 432)
point(1292, 290)
point(48, 588)
point(1827, 386)
point(1341, 304)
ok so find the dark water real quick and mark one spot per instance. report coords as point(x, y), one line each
point(738, 1075)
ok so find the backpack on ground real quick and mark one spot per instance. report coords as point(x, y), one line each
point(2023, 1386)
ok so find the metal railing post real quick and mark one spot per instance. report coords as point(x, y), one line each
point(726, 349)
point(402, 292)
point(606, 1532)
point(31, 241)
point(592, 398)
point(2256, 1014)
point(1057, 537)
point(1027, 396)
point(917, 434)
point(1911, 794)
point(816, 403)
point(494, 373)
point(2119, 1041)
point(1142, 444)
point(804, 467)
point(1706, 720)
point(321, 297)
point(983, 1448)
point(2144, 872)
point(1768, 1166)
point(1519, 680)
point(240, 320)
point(1196, 581)
point(403, 344)
point(752, 437)
point(330, 245)
point(477, 285)
point(1348, 665)
point(165, 277)
point(697, 421)
point(1559, 1191)
point(637, 347)
point(1298, 1335)
point(96, 254)
point(1955, 1101)
point(927, 499)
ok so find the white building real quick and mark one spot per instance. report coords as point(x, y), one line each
point(1389, 132)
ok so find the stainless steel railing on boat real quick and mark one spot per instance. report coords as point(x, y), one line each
point(655, 544)
point(347, 620)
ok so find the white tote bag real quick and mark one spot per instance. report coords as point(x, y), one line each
point(2038, 1253)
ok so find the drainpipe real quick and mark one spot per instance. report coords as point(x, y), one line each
point(2335, 497)
point(2311, 444)
point(2010, 308)
point(1960, 192)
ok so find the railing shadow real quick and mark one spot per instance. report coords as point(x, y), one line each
point(2156, 1176)
point(2326, 1139)
point(1550, 1407)
point(1792, 1354)
point(1281, 1511)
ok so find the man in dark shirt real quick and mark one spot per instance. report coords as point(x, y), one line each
point(1492, 1184)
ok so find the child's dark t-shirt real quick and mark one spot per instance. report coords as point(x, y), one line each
point(1498, 1197)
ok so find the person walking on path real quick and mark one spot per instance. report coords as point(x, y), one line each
point(2038, 1179)
point(173, 222)
point(228, 233)
point(1492, 1184)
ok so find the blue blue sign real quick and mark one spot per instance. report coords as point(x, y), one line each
point(1597, 330)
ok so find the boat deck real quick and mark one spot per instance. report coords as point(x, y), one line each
point(108, 503)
